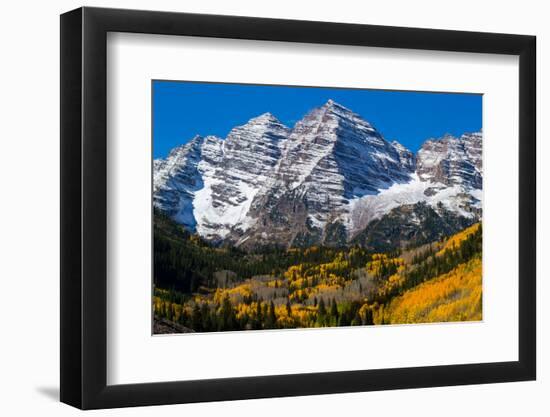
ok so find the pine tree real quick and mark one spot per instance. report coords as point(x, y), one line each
point(321, 313)
point(369, 317)
point(322, 308)
point(196, 319)
point(258, 319)
point(205, 317)
point(183, 317)
point(271, 317)
point(334, 310)
point(227, 314)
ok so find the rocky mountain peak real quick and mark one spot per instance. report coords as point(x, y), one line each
point(335, 107)
point(264, 128)
point(406, 157)
point(331, 157)
point(178, 176)
point(265, 118)
point(192, 145)
point(335, 113)
point(321, 182)
point(452, 160)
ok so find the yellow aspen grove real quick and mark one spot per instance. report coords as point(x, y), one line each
point(318, 287)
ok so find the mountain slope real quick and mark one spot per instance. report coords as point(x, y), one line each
point(206, 288)
point(410, 224)
point(448, 177)
point(454, 296)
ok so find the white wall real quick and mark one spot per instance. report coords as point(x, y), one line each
point(29, 223)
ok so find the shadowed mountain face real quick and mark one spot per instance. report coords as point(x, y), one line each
point(321, 182)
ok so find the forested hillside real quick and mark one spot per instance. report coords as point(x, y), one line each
point(199, 287)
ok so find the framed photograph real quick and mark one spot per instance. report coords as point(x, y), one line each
point(257, 208)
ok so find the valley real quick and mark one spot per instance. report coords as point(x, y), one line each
point(325, 223)
point(204, 288)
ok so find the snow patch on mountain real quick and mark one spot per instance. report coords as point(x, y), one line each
point(178, 177)
point(216, 221)
point(368, 208)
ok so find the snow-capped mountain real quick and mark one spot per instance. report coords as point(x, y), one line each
point(331, 157)
point(321, 182)
point(249, 156)
point(178, 178)
point(448, 177)
point(452, 161)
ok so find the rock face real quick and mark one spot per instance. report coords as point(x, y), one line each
point(178, 178)
point(249, 155)
point(452, 161)
point(406, 157)
point(331, 157)
point(208, 184)
point(322, 182)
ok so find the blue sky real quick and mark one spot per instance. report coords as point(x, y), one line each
point(182, 110)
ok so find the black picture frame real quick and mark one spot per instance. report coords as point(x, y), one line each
point(84, 207)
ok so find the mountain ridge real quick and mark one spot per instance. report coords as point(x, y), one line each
point(321, 182)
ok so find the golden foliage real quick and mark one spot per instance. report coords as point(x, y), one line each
point(379, 291)
point(236, 293)
point(454, 296)
point(455, 240)
point(381, 260)
point(394, 282)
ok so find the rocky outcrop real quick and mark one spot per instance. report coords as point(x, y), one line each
point(452, 161)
